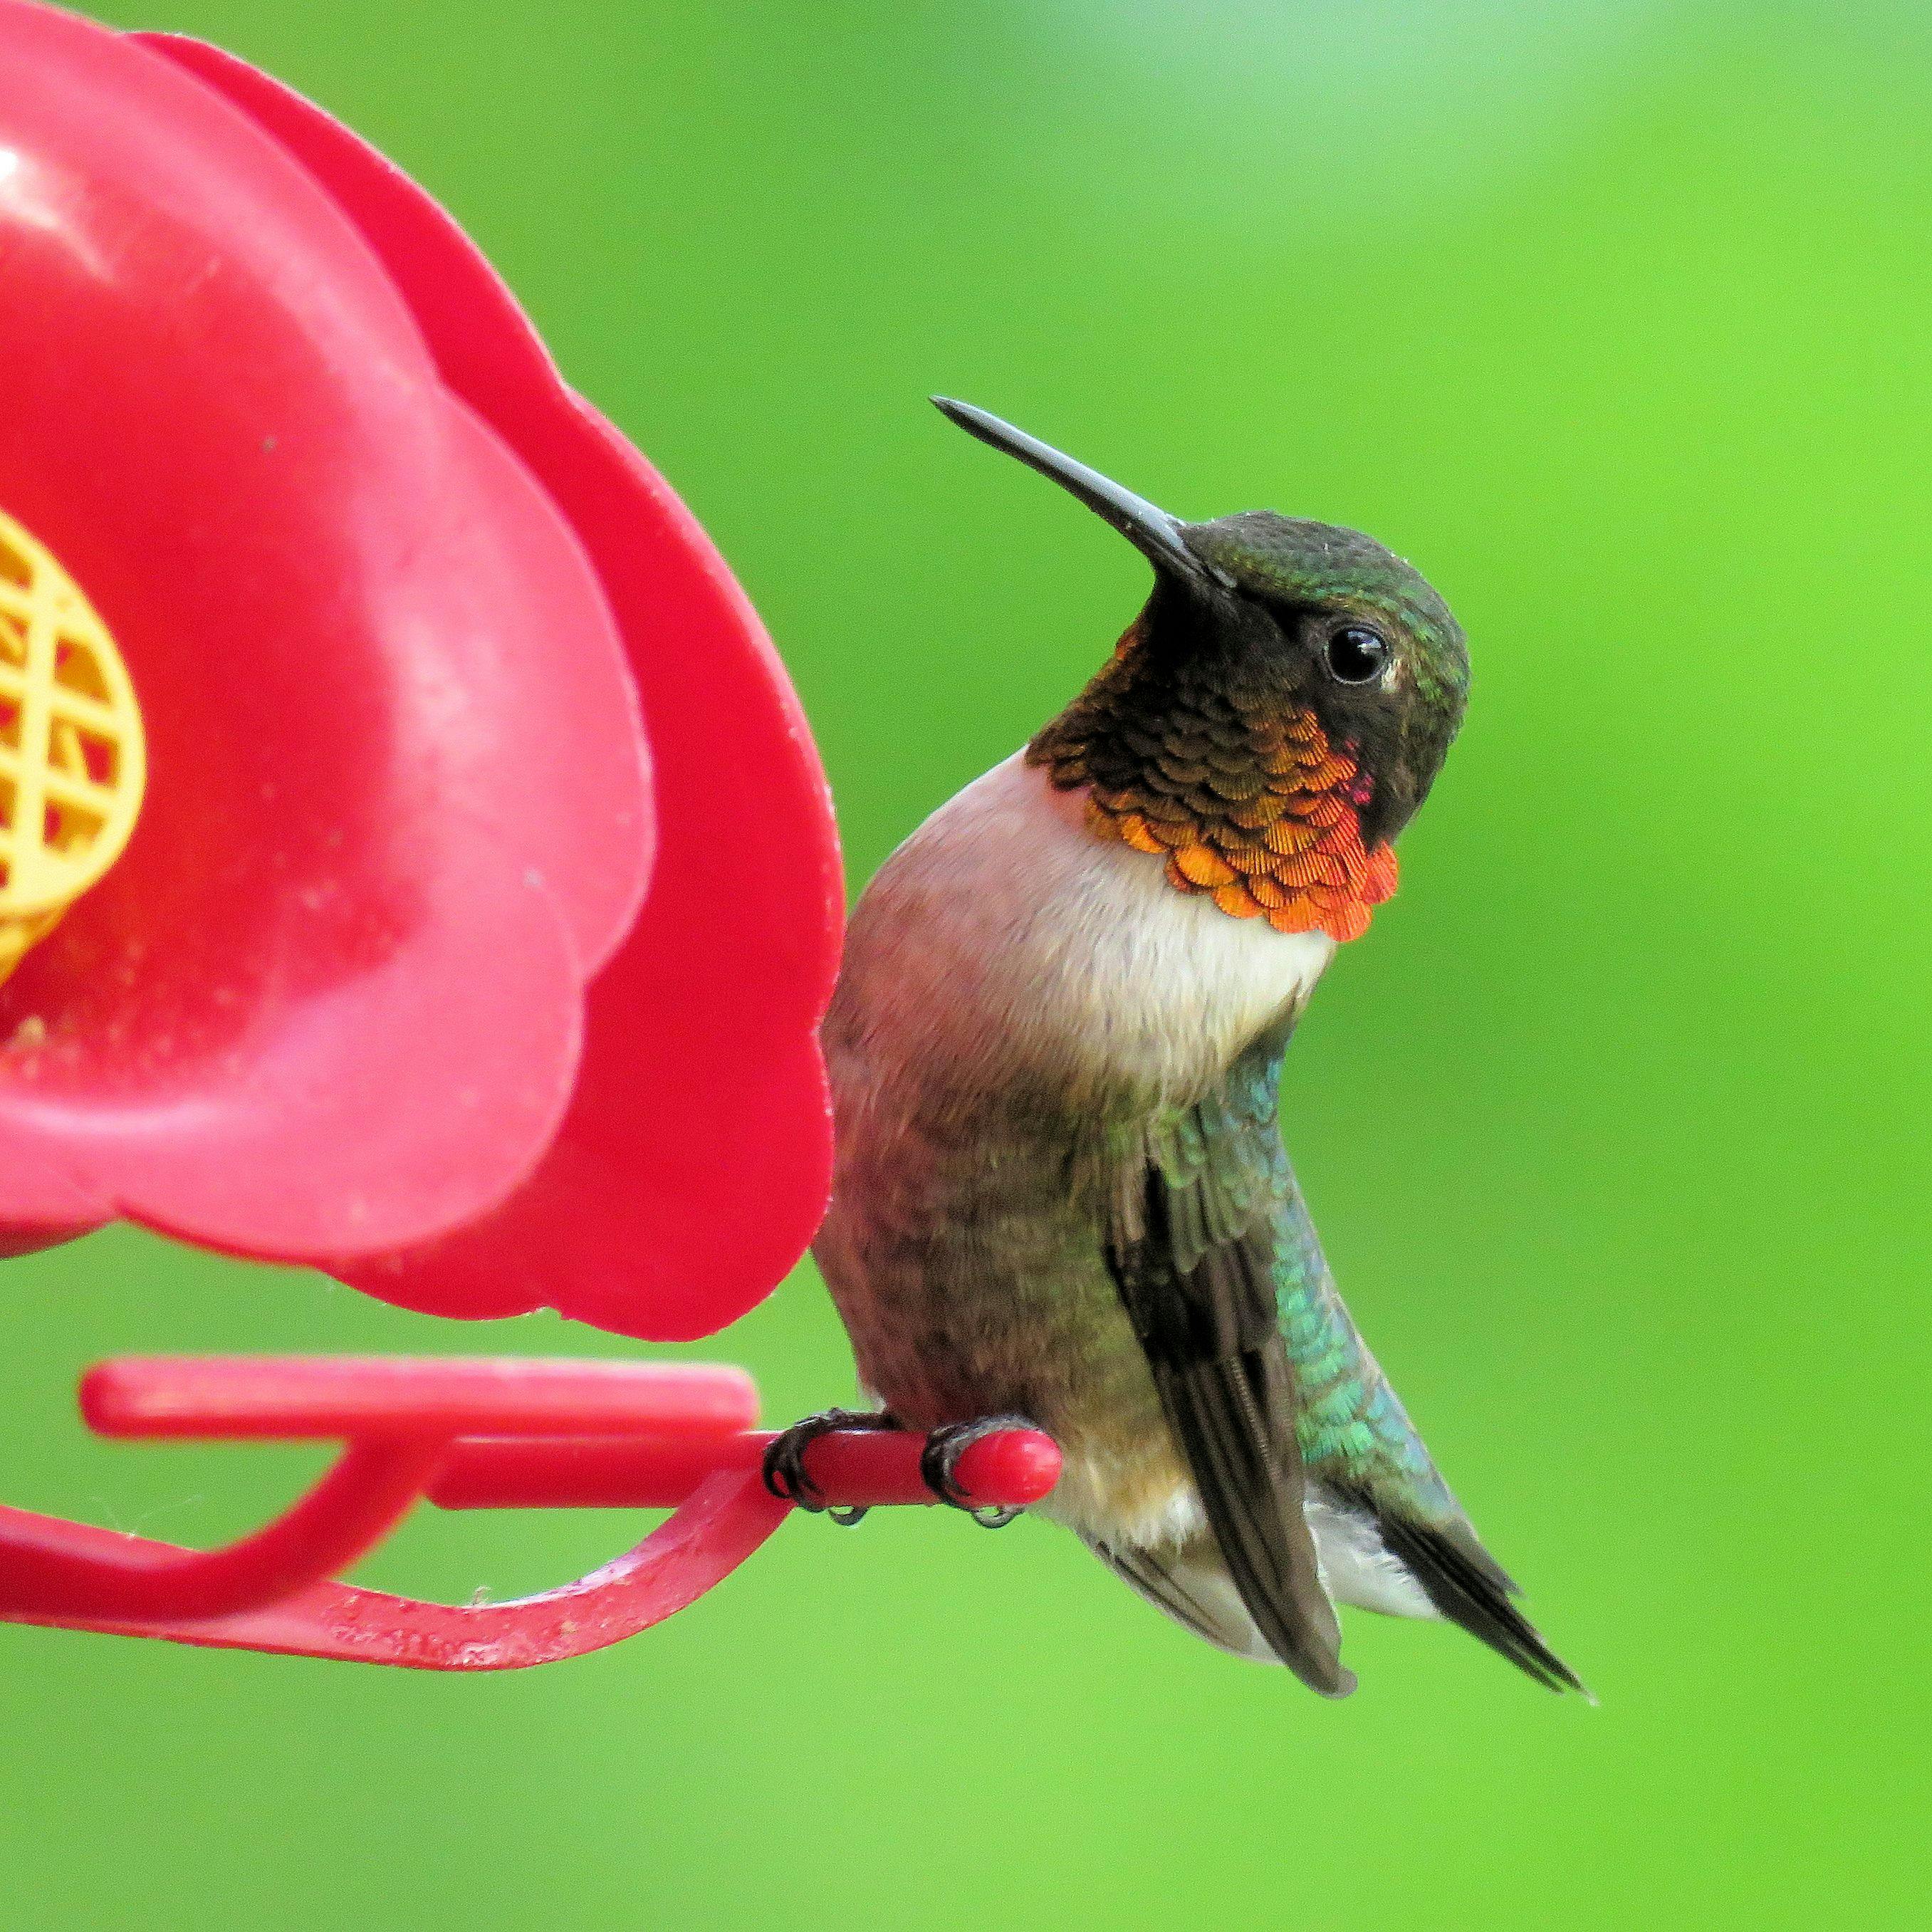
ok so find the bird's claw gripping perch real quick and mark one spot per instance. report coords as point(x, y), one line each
point(785, 1471)
point(939, 1463)
point(786, 1477)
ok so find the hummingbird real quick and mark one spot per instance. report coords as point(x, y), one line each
point(1061, 1197)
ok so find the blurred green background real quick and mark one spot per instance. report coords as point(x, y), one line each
point(1613, 316)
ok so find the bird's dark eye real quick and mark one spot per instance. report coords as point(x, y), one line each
point(1356, 655)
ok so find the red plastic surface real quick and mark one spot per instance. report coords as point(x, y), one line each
point(856, 1466)
point(470, 1434)
point(292, 1398)
point(388, 592)
point(330, 998)
point(693, 1163)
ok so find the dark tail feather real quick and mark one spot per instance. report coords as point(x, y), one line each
point(1170, 1580)
point(1469, 1589)
point(1251, 1490)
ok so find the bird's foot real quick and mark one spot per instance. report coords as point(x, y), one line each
point(785, 1461)
point(939, 1463)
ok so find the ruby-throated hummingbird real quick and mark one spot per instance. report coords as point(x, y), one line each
point(1060, 1195)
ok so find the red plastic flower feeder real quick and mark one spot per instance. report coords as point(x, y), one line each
point(413, 862)
point(469, 1436)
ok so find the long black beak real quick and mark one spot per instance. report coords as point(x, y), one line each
point(1150, 530)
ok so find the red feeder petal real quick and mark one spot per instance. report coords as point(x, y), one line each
point(330, 997)
point(692, 1166)
point(361, 549)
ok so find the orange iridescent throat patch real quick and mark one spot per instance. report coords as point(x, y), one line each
point(1257, 809)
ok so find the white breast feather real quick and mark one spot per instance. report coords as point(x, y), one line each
point(1004, 913)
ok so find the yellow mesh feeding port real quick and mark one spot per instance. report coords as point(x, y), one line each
point(73, 760)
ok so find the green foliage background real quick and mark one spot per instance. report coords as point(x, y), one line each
point(1614, 316)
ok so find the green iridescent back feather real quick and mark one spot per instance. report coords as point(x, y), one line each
point(1225, 1164)
point(1226, 1174)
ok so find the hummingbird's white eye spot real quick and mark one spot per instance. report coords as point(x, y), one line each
point(1356, 655)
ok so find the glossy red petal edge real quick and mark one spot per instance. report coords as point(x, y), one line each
point(692, 1166)
point(331, 1000)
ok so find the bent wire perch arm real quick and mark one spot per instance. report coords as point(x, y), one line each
point(465, 1435)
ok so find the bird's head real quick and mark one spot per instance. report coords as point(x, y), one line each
point(1274, 716)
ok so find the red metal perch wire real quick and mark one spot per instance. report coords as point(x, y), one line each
point(503, 1434)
